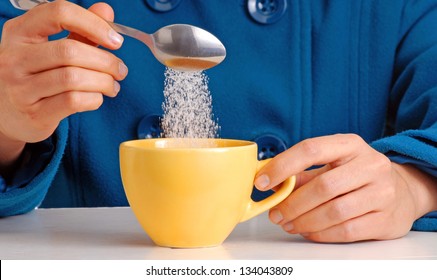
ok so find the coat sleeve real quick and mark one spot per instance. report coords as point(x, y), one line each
point(412, 116)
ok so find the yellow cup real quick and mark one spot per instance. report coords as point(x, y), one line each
point(189, 195)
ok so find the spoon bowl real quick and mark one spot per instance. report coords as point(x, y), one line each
point(182, 47)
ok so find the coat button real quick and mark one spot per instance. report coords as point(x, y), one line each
point(162, 5)
point(269, 146)
point(149, 127)
point(266, 11)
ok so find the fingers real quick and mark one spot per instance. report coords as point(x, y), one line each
point(306, 176)
point(83, 92)
point(360, 228)
point(51, 18)
point(325, 187)
point(68, 103)
point(65, 65)
point(66, 79)
point(334, 196)
point(67, 52)
point(43, 117)
point(44, 82)
point(333, 149)
point(343, 200)
point(337, 211)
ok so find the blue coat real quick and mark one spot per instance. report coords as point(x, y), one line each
point(318, 67)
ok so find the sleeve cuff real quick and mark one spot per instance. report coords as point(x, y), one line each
point(33, 160)
point(18, 200)
point(416, 148)
point(426, 223)
point(420, 164)
point(429, 221)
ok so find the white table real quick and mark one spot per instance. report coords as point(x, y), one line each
point(114, 233)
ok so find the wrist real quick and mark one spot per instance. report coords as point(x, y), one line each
point(10, 152)
point(422, 186)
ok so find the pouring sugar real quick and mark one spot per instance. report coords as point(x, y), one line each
point(187, 107)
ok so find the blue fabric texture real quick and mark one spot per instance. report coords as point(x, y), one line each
point(422, 165)
point(19, 199)
point(34, 159)
point(326, 67)
point(426, 223)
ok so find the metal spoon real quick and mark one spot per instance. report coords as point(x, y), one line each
point(179, 46)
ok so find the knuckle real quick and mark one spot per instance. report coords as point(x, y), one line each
point(286, 207)
point(350, 139)
point(325, 186)
point(69, 77)
point(348, 232)
point(354, 138)
point(33, 115)
point(280, 164)
point(73, 100)
point(382, 162)
point(337, 211)
point(59, 10)
point(66, 50)
point(80, 101)
point(9, 26)
point(310, 146)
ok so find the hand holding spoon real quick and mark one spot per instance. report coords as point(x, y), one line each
point(182, 47)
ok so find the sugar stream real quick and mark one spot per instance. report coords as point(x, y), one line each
point(187, 108)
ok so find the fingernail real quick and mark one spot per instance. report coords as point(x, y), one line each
point(116, 87)
point(276, 216)
point(288, 226)
point(262, 182)
point(115, 38)
point(122, 69)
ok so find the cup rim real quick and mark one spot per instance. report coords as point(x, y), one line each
point(160, 144)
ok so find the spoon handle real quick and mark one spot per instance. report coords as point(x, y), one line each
point(129, 31)
point(134, 33)
point(27, 4)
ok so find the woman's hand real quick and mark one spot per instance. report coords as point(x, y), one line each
point(356, 194)
point(42, 81)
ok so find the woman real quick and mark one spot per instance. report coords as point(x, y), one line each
point(342, 92)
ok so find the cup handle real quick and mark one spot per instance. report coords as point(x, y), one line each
point(255, 208)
